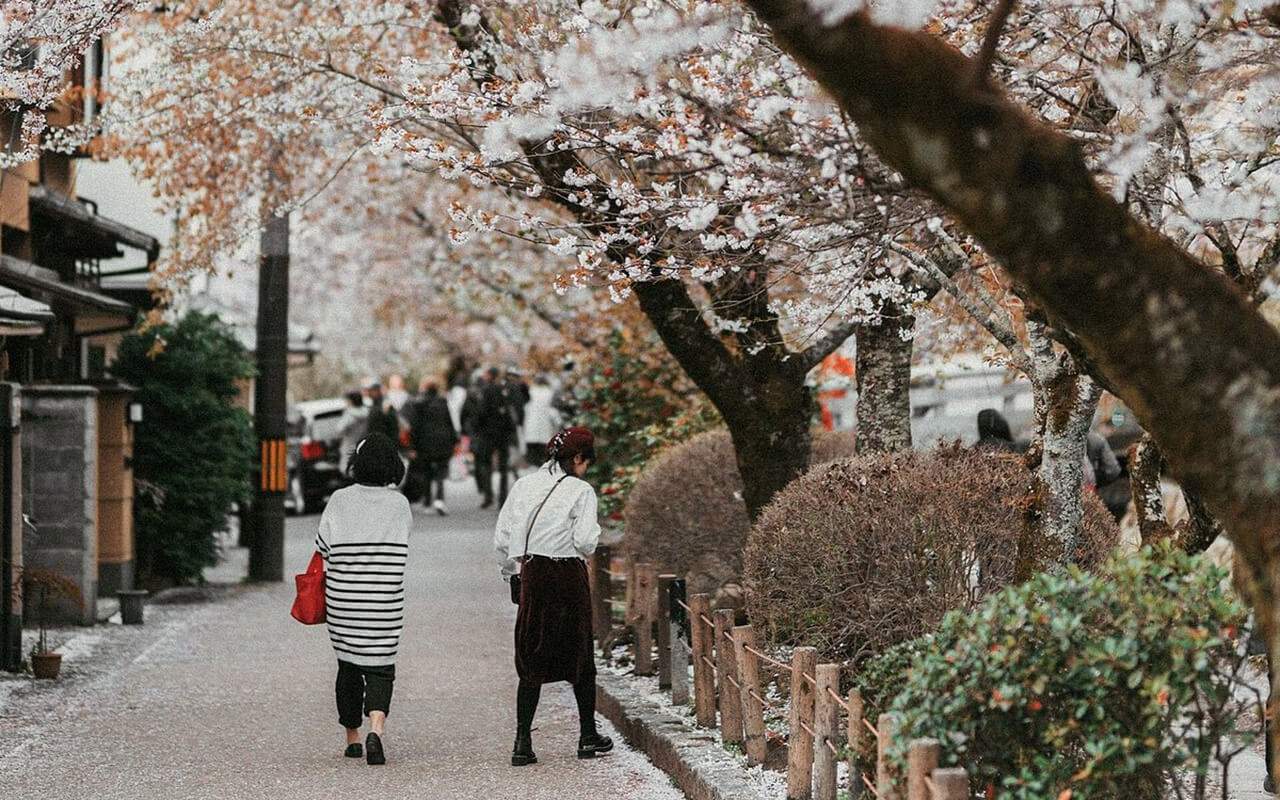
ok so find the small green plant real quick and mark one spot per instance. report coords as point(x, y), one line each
point(1106, 685)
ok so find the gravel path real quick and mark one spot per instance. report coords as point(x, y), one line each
point(228, 697)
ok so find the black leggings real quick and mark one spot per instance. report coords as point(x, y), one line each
point(360, 690)
point(527, 695)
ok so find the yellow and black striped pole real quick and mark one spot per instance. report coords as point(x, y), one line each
point(275, 466)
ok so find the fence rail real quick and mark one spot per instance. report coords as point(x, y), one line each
point(726, 691)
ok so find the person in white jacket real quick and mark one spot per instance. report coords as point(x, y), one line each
point(545, 531)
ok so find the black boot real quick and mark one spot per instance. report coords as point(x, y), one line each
point(522, 752)
point(593, 744)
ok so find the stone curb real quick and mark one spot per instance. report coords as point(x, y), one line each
point(694, 759)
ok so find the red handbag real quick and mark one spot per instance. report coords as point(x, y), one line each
point(308, 606)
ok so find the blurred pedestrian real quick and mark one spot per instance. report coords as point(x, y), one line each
point(352, 426)
point(545, 531)
point(993, 432)
point(382, 418)
point(364, 541)
point(494, 430)
point(433, 438)
point(541, 420)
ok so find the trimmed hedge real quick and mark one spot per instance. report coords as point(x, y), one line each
point(862, 554)
point(686, 513)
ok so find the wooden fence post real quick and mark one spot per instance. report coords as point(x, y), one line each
point(601, 592)
point(664, 630)
point(727, 671)
point(800, 741)
point(680, 649)
point(854, 736)
point(886, 730)
point(951, 783)
point(752, 710)
point(704, 680)
point(644, 589)
point(826, 730)
point(922, 760)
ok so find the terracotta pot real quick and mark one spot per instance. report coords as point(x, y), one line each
point(46, 665)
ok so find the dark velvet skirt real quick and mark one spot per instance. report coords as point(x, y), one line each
point(553, 624)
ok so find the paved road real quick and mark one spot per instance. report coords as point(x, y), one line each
point(230, 698)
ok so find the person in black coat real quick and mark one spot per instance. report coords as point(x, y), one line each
point(433, 438)
point(494, 431)
point(382, 417)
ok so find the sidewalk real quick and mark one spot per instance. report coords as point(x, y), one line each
point(232, 698)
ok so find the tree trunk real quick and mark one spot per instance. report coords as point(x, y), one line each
point(762, 398)
point(1148, 496)
point(884, 382)
point(772, 445)
point(1072, 399)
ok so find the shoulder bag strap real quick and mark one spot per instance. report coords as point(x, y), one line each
point(525, 553)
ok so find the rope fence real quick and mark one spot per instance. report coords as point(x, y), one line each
point(725, 690)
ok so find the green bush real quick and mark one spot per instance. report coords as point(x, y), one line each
point(686, 512)
point(193, 451)
point(637, 400)
point(1109, 685)
point(865, 553)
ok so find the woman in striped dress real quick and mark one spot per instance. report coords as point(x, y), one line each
point(364, 540)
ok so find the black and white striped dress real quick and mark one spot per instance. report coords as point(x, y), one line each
point(364, 540)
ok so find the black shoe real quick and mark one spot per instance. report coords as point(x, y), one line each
point(1268, 785)
point(593, 745)
point(373, 749)
point(522, 751)
point(354, 750)
point(488, 501)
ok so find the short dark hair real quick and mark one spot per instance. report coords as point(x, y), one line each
point(376, 462)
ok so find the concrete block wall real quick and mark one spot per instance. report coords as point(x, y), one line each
point(60, 491)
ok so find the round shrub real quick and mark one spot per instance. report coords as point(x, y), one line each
point(686, 513)
point(1105, 685)
point(864, 553)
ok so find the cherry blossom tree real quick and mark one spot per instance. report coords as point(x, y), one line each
point(672, 197)
point(40, 41)
point(1179, 342)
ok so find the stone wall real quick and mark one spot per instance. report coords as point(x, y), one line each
point(60, 492)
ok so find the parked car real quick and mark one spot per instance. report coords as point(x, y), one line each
point(314, 445)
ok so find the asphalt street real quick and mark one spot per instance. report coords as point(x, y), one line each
point(222, 695)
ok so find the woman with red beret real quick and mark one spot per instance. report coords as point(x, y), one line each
point(545, 531)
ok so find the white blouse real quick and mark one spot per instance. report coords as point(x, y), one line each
point(567, 526)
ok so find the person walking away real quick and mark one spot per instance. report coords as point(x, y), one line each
point(352, 426)
point(382, 417)
point(364, 541)
point(494, 431)
point(993, 432)
point(541, 420)
point(433, 437)
point(545, 531)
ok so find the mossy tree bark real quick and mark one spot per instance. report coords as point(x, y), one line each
point(884, 382)
point(1176, 340)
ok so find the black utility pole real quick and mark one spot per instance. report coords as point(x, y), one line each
point(266, 551)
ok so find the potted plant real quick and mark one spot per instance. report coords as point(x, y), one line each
point(39, 583)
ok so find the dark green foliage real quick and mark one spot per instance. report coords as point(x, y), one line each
point(194, 449)
point(1108, 685)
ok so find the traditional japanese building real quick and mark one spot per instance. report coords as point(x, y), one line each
point(59, 329)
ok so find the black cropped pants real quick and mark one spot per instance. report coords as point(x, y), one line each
point(360, 690)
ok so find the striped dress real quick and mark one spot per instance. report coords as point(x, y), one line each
point(364, 540)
